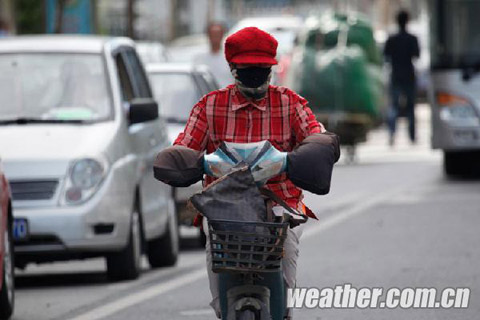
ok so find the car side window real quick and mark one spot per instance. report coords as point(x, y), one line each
point(125, 83)
point(138, 75)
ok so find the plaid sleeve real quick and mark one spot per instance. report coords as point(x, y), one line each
point(194, 135)
point(304, 121)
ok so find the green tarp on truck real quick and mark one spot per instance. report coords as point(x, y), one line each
point(339, 66)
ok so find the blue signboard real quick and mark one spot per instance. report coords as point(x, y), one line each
point(77, 16)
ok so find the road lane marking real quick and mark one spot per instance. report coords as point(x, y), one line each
point(136, 298)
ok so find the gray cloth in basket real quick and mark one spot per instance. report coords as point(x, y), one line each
point(235, 197)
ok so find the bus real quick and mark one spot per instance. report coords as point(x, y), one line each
point(454, 94)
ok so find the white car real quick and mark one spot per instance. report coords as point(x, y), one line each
point(79, 131)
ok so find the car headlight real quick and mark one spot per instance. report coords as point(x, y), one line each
point(456, 110)
point(84, 178)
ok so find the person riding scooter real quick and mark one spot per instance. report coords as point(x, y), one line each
point(252, 110)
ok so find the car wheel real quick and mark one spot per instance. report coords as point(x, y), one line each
point(451, 163)
point(126, 264)
point(163, 251)
point(461, 163)
point(7, 294)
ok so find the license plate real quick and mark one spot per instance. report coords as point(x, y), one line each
point(466, 136)
point(20, 229)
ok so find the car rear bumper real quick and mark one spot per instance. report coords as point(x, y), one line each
point(451, 138)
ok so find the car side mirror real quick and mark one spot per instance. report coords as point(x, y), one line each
point(142, 110)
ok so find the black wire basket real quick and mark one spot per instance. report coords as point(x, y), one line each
point(239, 246)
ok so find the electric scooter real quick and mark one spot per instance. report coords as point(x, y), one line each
point(247, 255)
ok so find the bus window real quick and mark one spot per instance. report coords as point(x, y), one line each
point(455, 34)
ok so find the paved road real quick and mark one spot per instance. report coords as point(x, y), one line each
point(391, 220)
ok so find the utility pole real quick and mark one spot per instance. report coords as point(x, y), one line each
point(385, 11)
point(173, 21)
point(95, 22)
point(131, 19)
point(238, 9)
point(210, 11)
point(59, 16)
point(7, 8)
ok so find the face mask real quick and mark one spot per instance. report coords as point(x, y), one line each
point(253, 77)
point(261, 82)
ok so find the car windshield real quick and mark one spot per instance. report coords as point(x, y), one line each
point(53, 86)
point(455, 36)
point(176, 94)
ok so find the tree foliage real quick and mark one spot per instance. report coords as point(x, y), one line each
point(30, 17)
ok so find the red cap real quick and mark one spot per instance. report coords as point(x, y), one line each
point(251, 46)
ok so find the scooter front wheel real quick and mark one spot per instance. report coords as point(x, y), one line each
point(247, 315)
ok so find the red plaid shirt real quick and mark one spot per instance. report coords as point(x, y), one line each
point(282, 117)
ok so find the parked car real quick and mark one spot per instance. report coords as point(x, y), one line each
point(79, 131)
point(152, 52)
point(177, 88)
point(7, 283)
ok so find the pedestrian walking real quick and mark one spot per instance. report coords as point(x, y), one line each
point(215, 58)
point(400, 51)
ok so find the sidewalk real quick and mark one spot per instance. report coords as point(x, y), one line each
point(377, 149)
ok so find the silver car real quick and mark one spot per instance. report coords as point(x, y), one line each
point(177, 88)
point(79, 130)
